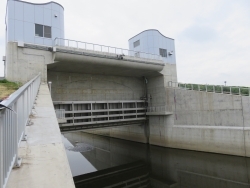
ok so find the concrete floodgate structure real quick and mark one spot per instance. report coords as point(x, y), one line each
point(196, 120)
point(123, 93)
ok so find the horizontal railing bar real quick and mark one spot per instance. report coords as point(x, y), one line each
point(14, 97)
point(103, 110)
point(212, 88)
point(103, 116)
point(97, 102)
point(105, 46)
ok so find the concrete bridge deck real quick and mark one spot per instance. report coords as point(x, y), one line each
point(45, 163)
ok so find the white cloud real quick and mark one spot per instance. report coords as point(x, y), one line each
point(212, 37)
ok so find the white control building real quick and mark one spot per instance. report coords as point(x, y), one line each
point(153, 42)
point(34, 23)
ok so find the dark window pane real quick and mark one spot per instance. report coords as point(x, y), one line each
point(47, 31)
point(136, 43)
point(39, 30)
point(163, 52)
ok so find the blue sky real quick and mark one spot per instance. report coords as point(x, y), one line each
point(211, 37)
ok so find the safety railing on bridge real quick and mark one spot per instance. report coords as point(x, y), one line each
point(13, 120)
point(106, 49)
point(233, 90)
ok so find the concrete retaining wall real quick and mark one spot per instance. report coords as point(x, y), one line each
point(23, 64)
point(203, 121)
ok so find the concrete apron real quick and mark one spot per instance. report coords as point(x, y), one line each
point(44, 161)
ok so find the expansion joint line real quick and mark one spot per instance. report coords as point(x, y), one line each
point(175, 105)
point(244, 137)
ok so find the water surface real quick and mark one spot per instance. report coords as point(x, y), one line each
point(168, 167)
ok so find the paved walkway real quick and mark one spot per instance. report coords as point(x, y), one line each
point(45, 163)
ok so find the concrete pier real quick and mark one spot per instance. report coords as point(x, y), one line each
point(44, 161)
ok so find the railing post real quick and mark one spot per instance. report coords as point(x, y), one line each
point(230, 90)
point(221, 89)
point(214, 88)
point(198, 87)
point(192, 86)
point(239, 91)
point(206, 88)
point(1, 151)
point(15, 122)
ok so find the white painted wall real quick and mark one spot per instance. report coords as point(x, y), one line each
point(150, 42)
point(21, 18)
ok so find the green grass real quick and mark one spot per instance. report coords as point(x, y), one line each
point(236, 90)
point(7, 87)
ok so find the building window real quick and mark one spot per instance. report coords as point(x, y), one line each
point(136, 43)
point(42, 31)
point(163, 52)
point(47, 31)
point(39, 30)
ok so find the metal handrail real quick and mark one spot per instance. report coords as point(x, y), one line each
point(12, 125)
point(222, 89)
point(117, 51)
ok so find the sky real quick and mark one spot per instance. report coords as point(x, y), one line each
point(212, 37)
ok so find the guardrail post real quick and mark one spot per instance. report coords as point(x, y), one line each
point(16, 124)
point(1, 150)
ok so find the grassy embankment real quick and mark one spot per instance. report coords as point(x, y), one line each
point(235, 90)
point(7, 88)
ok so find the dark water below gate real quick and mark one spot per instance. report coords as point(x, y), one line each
point(168, 167)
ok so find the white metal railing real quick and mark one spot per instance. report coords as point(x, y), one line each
point(60, 113)
point(105, 49)
point(158, 109)
point(12, 125)
point(245, 91)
